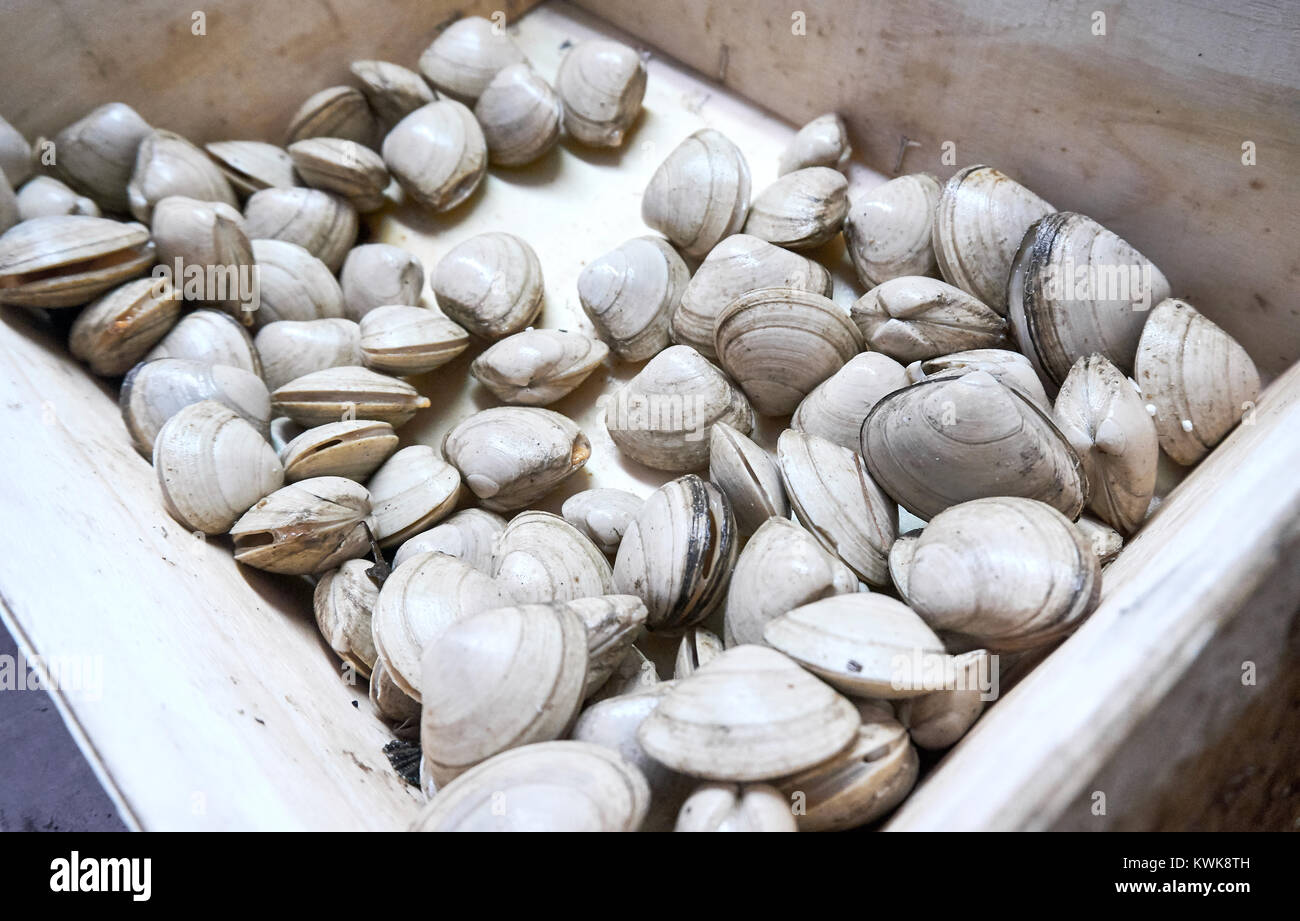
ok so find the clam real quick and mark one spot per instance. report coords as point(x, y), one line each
point(392, 91)
point(824, 141)
point(538, 366)
point(212, 337)
point(601, 83)
point(352, 449)
point(490, 284)
point(45, 196)
point(397, 339)
point(864, 644)
point(633, 674)
point(520, 116)
point(1103, 417)
point(392, 703)
point(947, 440)
point(750, 714)
point(417, 602)
point(343, 167)
point(510, 456)
point(1198, 379)
point(438, 154)
point(290, 349)
point(938, 720)
point(15, 154)
point(9, 215)
point(837, 407)
point(306, 527)
point(699, 194)
point(888, 230)
point(736, 266)
point(630, 295)
point(1105, 541)
point(801, 210)
point(343, 602)
point(780, 343)
point(748, 478)
point(468, 535)
point(663, 416)
point(190, 234)
point(602, 515)
point(498, 680)
point(334, 112)
point(1075, 289)
point(411, 491)
point(66, 261)
point(320, 222)
point(913, 318)
point(377, 274)
point(154, 391)
point(550, 786)
point(980, 219)
point(1007, 367)
point(839, 503)
point(736, 808)
point(293, 284)
point(900, 561)
point(167, 164)
point(698, 648)
point(212, 466)
point(283, 431)
point(612, 622)
point(677, 554)
point(96, 154)
point(781, 568)
point(347, 392)
point(464, 58)
point(251, 166)
point(115, 331)
point(540, 557)
point(1010, 573)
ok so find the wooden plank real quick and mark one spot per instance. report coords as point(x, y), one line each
point(1141, 128)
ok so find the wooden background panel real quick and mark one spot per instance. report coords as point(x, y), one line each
point(1141, 128)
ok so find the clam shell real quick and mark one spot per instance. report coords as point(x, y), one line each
point(343, 602)
point(540, 557)
point(947, 440)
point(601, 84)
point(347, 392)
point(468, 535)
point(736, 266)
point(9, 215)
point(630, 295)
point(978, 224)
point(839, 503)
point(322, 223)
point(678, 552)
point(392, 91)
point(96, 154)
point(352, 449)
point(612, 623)
point(1009, 573)
point(115, 331)
point(1198, 378)
point(747, 476)
point(251, 166)
point(290, 349)
point(397, 339)
point(306, 527)
point(1105, 541)
point(837, 407)
point(343, 167)
point(212, 466)
point(913, 318)
point(664, 415)
point(824, 141)
point(377, 274)
point(538, 366)
point(939, 720)
point(66, 261)
point(1103, 417)
point(294, 285)
point(602, 515)
point(550, 786)
point(464, 58)
point(166, 164)
point(781, 568)
point(900, 561)
point(750, 714)
point(736, 808)
point(801, 210)
point(154, 391)
point(15, 154)
point(438, 154)
point(510, 456)
point(411, 491)
point(699, 194)
point(780, 343)
point(1007, 367)
point(45, 196)
point(334, 112)
point(520, 116)
point(498, 680)
point(698, 648)
point(392, 703)
point(888, 229)
point(490, 284)
point(190, 233)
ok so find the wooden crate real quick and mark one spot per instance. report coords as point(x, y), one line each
point(222, 708)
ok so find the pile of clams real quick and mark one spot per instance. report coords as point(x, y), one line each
point(853, 505)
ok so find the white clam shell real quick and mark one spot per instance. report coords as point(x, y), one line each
point(602, 514)
point(45, 196)
point(468, 535)
point(510, 456)
point(464, 58)
point(747, 476)
point(717, 807)
point(801, 210)
point(699, 194)
point(601, 83)
point(913, 318)
point(538, 366)
point(411, 491)
point(294, 284)
point(352, 449)
point(306, 527)
point(698, 648)
point(520, 116)
point(1105, 541)
point(613, 622)
point(343, 602)
point(438, 154)
point(166, 164)
point(15, 154)
point(188, 232)
point(154, 391)
point(490, 284)
point(320, 222)
point(334, 112)
point(633, 673)
point(837, 407)
point(630, 295)
point(210, 336)
point(392, 703)
point(118, 329)
point(1007, 367)
point(824, 141)
point(347, 392)
point(377, 274)
point(67, 260)
point(938, 720)
point(540, 557)
point(250, 166)
point(96, 154)
point(392, 91)
point(888, 229)
point(290, 349)
point(344, 167)
point(398, 339)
